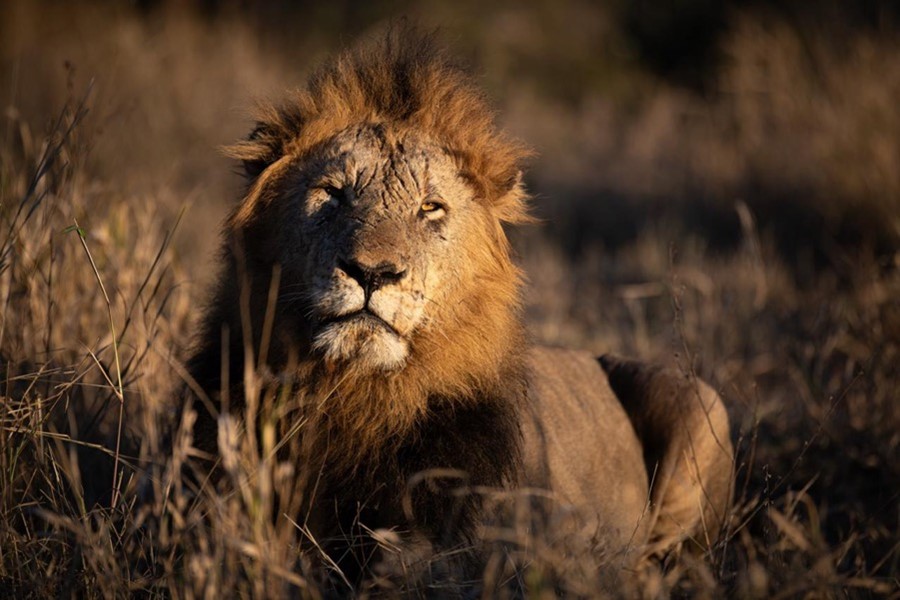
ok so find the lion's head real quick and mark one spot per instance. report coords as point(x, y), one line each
point(384, 239)
point(380, 192)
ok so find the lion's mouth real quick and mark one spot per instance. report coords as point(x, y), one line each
point(362, 317)
point(363, 337)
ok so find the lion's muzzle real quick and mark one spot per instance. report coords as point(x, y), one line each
point(368, 310)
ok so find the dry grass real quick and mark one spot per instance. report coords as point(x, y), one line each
point(786, 300)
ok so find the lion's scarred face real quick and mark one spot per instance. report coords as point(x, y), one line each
point(383, 223)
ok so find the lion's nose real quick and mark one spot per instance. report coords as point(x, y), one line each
point(371, 277)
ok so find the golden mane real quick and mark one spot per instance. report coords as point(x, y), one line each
point(403, 78)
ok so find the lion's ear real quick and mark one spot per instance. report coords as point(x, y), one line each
point(262, 147)
point(512, 205)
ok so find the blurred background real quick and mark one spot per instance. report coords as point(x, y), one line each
point(640, 111)
point(718, 183)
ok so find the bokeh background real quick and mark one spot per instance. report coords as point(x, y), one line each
point(718, 184)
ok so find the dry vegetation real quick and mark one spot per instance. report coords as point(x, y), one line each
point(749, 234)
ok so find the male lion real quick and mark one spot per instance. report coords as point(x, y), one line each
point(369, 264)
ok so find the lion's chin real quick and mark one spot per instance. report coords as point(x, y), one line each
point(368, 344)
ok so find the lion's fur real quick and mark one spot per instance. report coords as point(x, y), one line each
point(469, 395)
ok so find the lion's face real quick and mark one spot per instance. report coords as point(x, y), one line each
point(383, 241)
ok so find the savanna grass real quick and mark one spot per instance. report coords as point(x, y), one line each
point(96, 308)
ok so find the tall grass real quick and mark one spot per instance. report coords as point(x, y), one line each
point(793, 320)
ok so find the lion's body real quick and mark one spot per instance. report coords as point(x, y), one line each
point(367, 273)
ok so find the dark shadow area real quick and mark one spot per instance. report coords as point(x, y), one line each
point(681, 40)
point(807, 240)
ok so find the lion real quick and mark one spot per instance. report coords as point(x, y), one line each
point(367, 272)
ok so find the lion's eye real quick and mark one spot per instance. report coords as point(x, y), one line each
point(339, 194)
point(432, 210)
